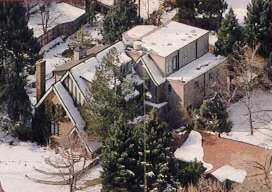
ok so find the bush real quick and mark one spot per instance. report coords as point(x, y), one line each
point(212, 116)
point(68, 53)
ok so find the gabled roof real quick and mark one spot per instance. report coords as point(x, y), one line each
point(67, 103)
point(152, 70)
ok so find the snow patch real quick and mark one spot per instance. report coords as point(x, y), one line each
point(192, 149)
point(228, 172)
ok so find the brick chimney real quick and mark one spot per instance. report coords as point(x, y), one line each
point(40, 79)
point(80, 52)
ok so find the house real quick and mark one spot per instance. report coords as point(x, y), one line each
point(71, 88)
point(171, 61)
point(175, 62)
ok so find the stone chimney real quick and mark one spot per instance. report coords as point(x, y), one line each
point(40, 79)
point(80, 52)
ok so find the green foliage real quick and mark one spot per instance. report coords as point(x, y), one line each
point(229, 33)
point(18, 53)
point(257, 25)
point(189, 173)
point(212, 116)
point(159, 153)
point(187, 9)
point(107, 101)
point(53, 112)
point(212, 9)
point(40, 125)
point(120, 165)
point(119, 19)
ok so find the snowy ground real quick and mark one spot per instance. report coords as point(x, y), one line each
point(18, 160)
point(192, 149)
point(58, 13)
point(228, 172)
point(262, 121)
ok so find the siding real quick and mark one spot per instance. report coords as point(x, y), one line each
point(203, 45)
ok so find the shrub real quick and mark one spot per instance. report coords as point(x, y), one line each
point(212, 116)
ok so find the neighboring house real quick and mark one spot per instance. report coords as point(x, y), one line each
point(71, 88)
point(175, 62)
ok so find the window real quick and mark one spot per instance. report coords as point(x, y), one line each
point(156, 90)
point(175, 63)
point(211, 76)
point(168, 68)
point(185, 55)
point(54, 128)
point(196, 85)
point(169, 89)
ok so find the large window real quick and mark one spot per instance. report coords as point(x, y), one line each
point(175, 63)
point(54, 128)
point(168, 68)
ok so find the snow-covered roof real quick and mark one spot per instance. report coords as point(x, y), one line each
point(229, 172)
point(152, 70)
point(197, 67)
point(171, 37)
point(137, 32)
point(120, 48)
point(68, 105)
point(85, 70)
point(59, 13)
point(107, 2)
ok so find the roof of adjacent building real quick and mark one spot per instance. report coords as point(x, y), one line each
point(171, 37)
point(197, 67)
point(164, 39)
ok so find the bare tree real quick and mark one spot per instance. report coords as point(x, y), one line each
point(244, 81)
point(71, 165)
point(45, 14)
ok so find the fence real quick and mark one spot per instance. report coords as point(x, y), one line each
point(62, 29)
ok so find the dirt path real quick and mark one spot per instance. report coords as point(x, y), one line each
point(220, 152)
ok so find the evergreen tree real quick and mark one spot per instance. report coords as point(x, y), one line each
point(107, 99)
point(159, 153)
point(228, 34)
point(212, 116)
point(187, 9)
point(257, 25)
point(120, 166)
point(119, 19)
point(18, 52)
point(212, 9)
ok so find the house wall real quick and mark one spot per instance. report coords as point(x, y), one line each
point(203, 45)
point(66, 126)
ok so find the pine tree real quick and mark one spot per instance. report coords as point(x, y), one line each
point(187, 9)
point(18, 52)
point(159, 153)
point(212, 116)
point(228, 34)
point(257, 25)
point(107, 99)
point(120, 165)
point(212, 9)
point(119, 19)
